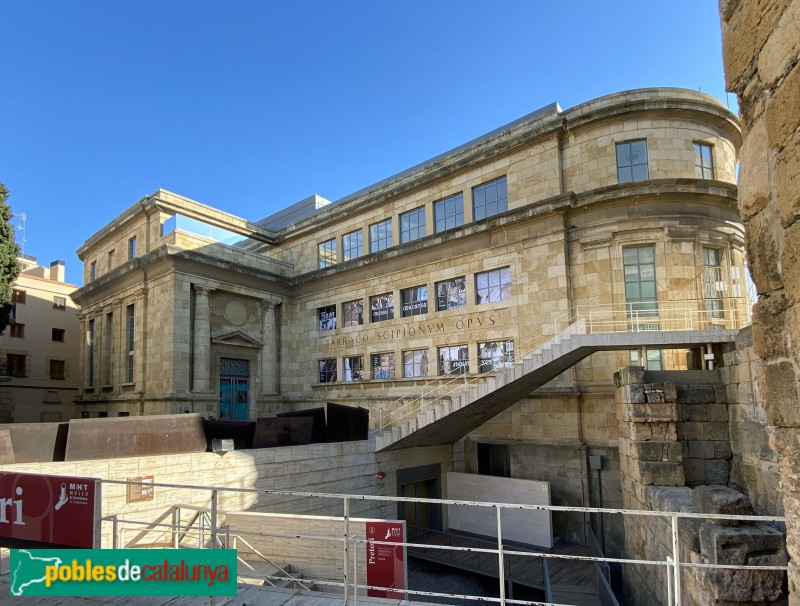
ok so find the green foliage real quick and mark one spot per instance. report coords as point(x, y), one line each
point(9, 264)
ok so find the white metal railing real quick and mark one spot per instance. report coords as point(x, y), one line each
point(349, 583)
point(669, 316)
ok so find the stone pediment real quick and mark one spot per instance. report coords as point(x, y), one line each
point(238, 338)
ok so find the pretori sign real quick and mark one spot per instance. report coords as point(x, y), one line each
point(386, 564)
point(49, 510)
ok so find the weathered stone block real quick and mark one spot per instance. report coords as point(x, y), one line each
point(736, 544)
point(754, 190)
point(654, 396)
point(721, 500)
point(629, 375)
point(722, 449)
point(769, 327)
point(692, 430)
point(743, 33)
point(657, 451)
point(790, 264)
point(715, 431)
point(781, 113)
point(701, 449)
point(659, 473)
point(634, 394)
point(716, 471)
point(764, 250)
point(670, 392)
point(779, 382)
point(694, 470)
point(787, 180)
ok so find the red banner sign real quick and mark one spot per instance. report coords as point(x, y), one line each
point(386, 564)
point(52, 510)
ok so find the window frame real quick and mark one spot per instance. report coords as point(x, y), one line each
point(60, 373)
point(444, 298)
point(408, 233)
point(358, 247)
point(347, 312)
point(640, 306)
point(620, 167)
point(324, 318)
point(19, 296)
point(462, 363)
point(700, 169)
point(93, 270)
point(59, 303)
point(17, 330)
point(480, 208)
point(58, 332)
point(356, 374)
point(17, 369)
point(380, 241)
point(391, 373)
point(503, 288)
point(376, 312)
point(132, 248)
point(494, 362)
point(442, 213)
point(417, 307)
point(326, 253)
point(422, 366)
point(130, 342)
point(327, 370)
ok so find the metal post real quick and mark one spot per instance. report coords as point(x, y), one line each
point(175, 529)
point(355, 574)
point(114, 530)
point(500, 566)
point(214, 499)
point(346, 560)
point(676, 565)
point(669, 581)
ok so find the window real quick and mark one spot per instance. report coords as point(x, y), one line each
point(354, 368)
point(489, 199)
point(18, 331)
point(59, 303)
point(132, 248)
point(453, 360)
point(451, 293)
point(90, 354)
point(58, 334)
point(380, 236)
point(57, 369)
point(326, 253)
point(109, 260)
point(491, 286)
point(414, 301)
point(353, 313)
point(16, 365)
point(495, 355)
point(713, 284)
point(703, 161)
point(123, 413)
point(412, 225)
point(130, 325)
point(415, 363)
point(449, 213)
point(381, 307)
point(632, 161)
point(383, 365)
point(327, 370)
point(352, 245)
point(19, 296)
point(494, 460)
point(640, 280)
point(653, 359)
point(93, 270)
point(327, 317)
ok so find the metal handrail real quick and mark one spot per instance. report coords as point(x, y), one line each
point(287, 577)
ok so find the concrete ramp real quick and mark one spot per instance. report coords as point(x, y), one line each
point(453, 418)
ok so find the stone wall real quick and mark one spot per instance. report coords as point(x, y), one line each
point(761, 50)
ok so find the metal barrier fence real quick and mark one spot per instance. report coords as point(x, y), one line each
point(205, 527)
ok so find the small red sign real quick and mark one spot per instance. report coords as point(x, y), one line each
point(53, 510)
point(386, 563)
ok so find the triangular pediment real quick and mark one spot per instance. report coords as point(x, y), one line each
point(237, 337)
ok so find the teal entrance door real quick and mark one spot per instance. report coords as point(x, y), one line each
point(234, 377)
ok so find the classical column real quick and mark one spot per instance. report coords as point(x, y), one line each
point(269, 348)
point(201, 360)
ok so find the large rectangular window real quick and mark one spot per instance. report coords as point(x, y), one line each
point(380, 236)
point(653, 362)
point(60, 303)
point(17, 365)
point(327, 370)
point(383, 365)
point(354, 368)
point(353, 313)
point(132, 248)
point(18, 331)
point(381, 307)
point(57, 369)
point(494, 285)
point(93, 270)
point(451, 294)
point(58, 334)
point(415, 363)
point(412, 225)
point(326, 253)
point(352, 245)
point(327, 317)
point(453, 360)
point(489, 199)
point(495, 355)
point(639, 267)
point(494, 460)
point(713, 284)
point(414, 301)
point(449, 213)
point(632, 161)
point(703, 161)
point(130, 326)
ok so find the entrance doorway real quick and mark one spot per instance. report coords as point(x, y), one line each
point(234, 377)
point(423, 483)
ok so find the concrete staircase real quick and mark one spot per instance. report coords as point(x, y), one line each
point(449, 418)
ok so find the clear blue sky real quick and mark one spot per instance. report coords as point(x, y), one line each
point(250, 106)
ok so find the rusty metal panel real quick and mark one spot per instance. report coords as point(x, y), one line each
point(107, 438)
point(37, 442)
point(283, 431)
point(318, 432)
point(241, 432)
point(347, 423)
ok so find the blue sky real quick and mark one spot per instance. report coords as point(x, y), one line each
point(251, 106)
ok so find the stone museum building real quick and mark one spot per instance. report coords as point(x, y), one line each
point(425, 291)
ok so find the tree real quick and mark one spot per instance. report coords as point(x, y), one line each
point(9, 264)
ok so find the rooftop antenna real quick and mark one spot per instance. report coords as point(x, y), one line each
point(21, 227)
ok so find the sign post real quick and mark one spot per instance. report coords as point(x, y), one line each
point(46, 511)
point(386, 564)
